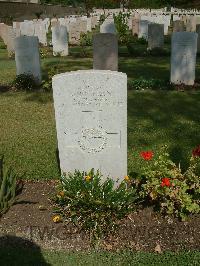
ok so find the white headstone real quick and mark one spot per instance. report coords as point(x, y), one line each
point(27, 56)
point(40, 32)
point(183, 57)
point(59, 40)
point(108, 26)
point(143, 29)
point(27, 28)
point(11, 35)
point(91, 121)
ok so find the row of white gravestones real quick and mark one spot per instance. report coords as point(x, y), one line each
point(90, 21)
point(91, 121)
point(158, 19)
point(59, 40)
point(37, 28)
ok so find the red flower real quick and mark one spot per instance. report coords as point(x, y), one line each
point(146, 155)
point(196, 152)
point(165, 182)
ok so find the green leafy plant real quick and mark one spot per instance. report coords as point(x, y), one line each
point(45, 52)
point(85, 40)
point(93, 204)
point(141, 40)
point(2, 45)
point(121, 24)
point(162, 184)
point(47, 81)
point(25, 82)
point(8, 185)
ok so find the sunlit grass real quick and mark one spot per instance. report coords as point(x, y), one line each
point(28, 135)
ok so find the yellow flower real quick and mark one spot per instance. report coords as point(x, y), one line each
point(61, 193)
point(56, 219)
point(88, 178)
point(127, 178)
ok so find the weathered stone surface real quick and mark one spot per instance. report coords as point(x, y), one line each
point(27, 56)
point(135, 26)
point(54, 22)
point(178, 26)
point(191, 24)
point(183, 57)
point(105, 51)
point(40, 32)
point(11, 35)
point(94, 22)
point(75, 30)
point(27, 28)
point(155, 36)
point(89, 24)
point(143, 29)
point(59, 40)
point(198, 40)
point(4, 32)
point(108, 26)
point(91, 121)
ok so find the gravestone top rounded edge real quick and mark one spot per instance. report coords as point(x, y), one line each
point(78, 72)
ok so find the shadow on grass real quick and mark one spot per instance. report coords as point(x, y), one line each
point(61, 66)
point(165, 118)
point(4, 88)
point(19, 251)
point(148, 68)
point(39, 97)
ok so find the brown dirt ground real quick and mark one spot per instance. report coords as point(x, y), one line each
point(31, 218)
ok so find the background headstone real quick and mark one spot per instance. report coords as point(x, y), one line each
point(198, 40)
point(108, 26)
point(135, 26)
point(59, 40)
point(11, 35)
point(178, 26)
point(105, 51)
point(183, 57)
point(143, 29)
point(155, 36)
point(191, 24)
point(27, 56)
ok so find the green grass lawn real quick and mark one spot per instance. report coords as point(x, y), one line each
point(28, 135)
point(15, 257)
